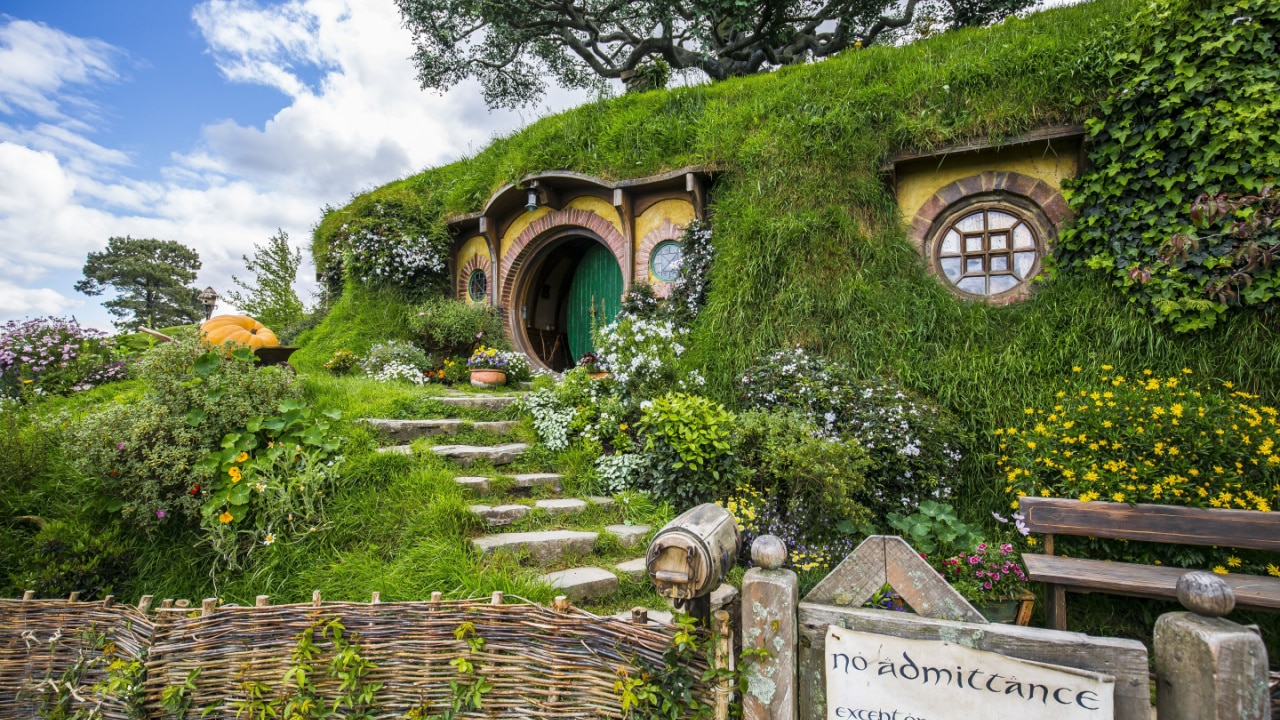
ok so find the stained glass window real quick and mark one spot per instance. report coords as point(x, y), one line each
point(478, 286)
point(987, 252)
point(665, 261)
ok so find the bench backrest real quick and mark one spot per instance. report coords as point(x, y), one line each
point(1153, 523)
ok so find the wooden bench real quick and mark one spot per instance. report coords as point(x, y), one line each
point(1146, 523)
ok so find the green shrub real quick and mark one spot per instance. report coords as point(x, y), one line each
point(391, 237)
point(73, 556)
point(343, 362)
point(394, 352)
point(914, 446)
point(449, 327)
point(1196, 114)
point(935, 530)
point(143, 454)
point(800, 486)
point(687, 448)
point(290, 333)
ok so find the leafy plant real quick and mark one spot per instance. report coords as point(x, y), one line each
point(935, 529)
point(1195, 112)
point(343, 362)
point(687, 442)
point(394, 351)
point(74, 556)
point(176, 699)
point(268, 478)
point(449, 327)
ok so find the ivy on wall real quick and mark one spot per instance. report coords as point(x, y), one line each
point(1196, 112)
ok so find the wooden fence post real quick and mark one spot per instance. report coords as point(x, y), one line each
point(770, 598)
point(723, 661)
point(1207, 667)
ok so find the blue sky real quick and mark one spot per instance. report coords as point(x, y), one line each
point(211, 123)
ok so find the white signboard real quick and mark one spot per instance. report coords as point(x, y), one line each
point(880, 677)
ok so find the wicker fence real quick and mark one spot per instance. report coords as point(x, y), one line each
point(557, 662)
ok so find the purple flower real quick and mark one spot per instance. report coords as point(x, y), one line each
point(160, 514)
point(120, 446)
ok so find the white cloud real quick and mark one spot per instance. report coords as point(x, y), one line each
point(353, 118)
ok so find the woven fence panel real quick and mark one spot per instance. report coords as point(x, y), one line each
point(59, 650)
point(542, 663)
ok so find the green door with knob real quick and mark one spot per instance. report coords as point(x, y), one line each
point(595, 297)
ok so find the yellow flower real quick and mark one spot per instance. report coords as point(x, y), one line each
point(234, 472)
point(1118, 497)
point(225, 517)
point(623, 426)
point(1234, 561)
point(1106, 367)
point(1220, 570)
point(1186, 371)
point(1075, 368)
point(242, 457)
point(1273, 570)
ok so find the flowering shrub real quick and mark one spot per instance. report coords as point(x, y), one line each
point(914, 446)
point(450, 327)
point(551, 418)
point(987, 574)
point(396, 370)
point(52, 356)
point(397, 352)
point(1147, 438)
point(642, 356)
point(592, 363)
point(143, 454)
point(343, 362)
point(392, 239)
point(518, 369)
point(689, 291)
point(267, 479)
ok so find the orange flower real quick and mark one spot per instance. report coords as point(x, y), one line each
point(225, 517)
point(242, 457)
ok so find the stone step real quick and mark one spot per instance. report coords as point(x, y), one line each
point(480, 402)
point(495, 454)
point(584, 583)
point(478, 485)
point(628, 535)
point(529, 481)
point(405, 431)
point(500, 514)
point(562, 506)
point(636, 569)
point(544, 547)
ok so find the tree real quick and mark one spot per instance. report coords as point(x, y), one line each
point(152, 280)
point(510, 47)
point(271, 299)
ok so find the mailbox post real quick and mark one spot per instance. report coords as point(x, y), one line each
point(689, 557)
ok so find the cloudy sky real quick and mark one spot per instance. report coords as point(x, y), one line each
point(209, 123)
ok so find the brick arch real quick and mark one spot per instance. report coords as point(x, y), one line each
point(1039, 192)
point(528, 242)
point(667, 231)
point(477, 262)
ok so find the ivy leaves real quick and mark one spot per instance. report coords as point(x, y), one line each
point(1197, 112)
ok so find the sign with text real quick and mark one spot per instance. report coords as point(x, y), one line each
point(880, 677)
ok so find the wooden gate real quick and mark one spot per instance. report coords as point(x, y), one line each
point(595, 297)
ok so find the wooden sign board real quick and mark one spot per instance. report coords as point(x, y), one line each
point(880, 677)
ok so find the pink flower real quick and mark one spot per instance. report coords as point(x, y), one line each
point(160, 514)
point(120, 446)
point(974, 559)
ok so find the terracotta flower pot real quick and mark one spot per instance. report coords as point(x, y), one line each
point(488, 378)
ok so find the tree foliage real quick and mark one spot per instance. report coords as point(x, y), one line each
point(271, 298)
point(512, 47)
point(1194, 116)
point(151, 278)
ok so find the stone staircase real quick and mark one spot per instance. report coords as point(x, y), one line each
point(526, 514)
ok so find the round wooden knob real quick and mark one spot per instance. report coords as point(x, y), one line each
point(768, 552)
point(1206, 594)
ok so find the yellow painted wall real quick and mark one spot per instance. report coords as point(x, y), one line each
point(471, 248)
point(599, 207)
point(679, 212)
point(918, 180)
point(518, 226)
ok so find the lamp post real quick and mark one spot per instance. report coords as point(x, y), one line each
point(209, 299)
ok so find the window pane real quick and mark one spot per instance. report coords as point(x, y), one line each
point(999, 263)
point(1022, 263)
point(1001, 283)
point(950, 243)
point(951, 267)
point(999, 241)
point(973, 266)
point(971, 223)
point(1022, 237)
point(973, 244)
point(997, 220)
point(975, 285)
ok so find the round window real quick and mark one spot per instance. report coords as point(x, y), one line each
point(665, 261)
point(988, 251)
point(478, 286)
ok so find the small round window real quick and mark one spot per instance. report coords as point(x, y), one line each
point(665, 261)
point(478, 286)
point(988, 251)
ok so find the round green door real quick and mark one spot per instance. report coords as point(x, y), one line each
point(595, 297)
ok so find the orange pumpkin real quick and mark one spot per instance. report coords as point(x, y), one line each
point(239, 329)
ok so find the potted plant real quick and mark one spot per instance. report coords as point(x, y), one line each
point(593, 365)
point(992, 578)
point(488, 367)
